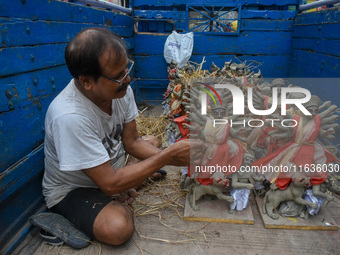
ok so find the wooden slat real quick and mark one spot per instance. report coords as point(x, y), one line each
point(159, 14)
point(16, 176)
point(61, 11)
point(324, 16)
point(23, 59)
point(247, 43)
point(266, 14)
point(323, 31)
point(139, 3)
point(328, 47)
point(273, 66)
point(322, 87)
point(309, 64)
point(29, 33)
point(150, 90)
point(26, 202)
point(266, 25)
point(22, 130)
point(25, 87)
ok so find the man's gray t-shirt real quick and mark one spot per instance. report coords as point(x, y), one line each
point(78, 135)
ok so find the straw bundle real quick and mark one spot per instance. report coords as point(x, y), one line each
point(152, 125)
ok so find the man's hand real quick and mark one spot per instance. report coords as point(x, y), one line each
point(181, 151)
point(127, 196)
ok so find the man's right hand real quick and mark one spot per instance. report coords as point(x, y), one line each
point(186, 152)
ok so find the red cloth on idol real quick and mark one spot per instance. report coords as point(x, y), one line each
point(302, 148)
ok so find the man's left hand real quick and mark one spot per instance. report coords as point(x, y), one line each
point(127, 196)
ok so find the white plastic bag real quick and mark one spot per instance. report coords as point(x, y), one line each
point(178, 47)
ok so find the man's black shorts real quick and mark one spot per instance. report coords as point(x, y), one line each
point(81, 206)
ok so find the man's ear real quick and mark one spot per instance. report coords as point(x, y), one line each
point(86, 81)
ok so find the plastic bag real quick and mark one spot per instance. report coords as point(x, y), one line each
point(178, 47)
point(241, 197)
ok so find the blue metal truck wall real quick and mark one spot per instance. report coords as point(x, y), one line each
point(264, 35)
point(34, 35)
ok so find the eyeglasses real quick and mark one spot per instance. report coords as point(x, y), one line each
point(120, 82)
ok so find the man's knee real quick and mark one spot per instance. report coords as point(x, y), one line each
point(114, 224)
point(152, 139)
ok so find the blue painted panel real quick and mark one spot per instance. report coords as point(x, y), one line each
point(324, 31)
point(325, 88)
point(22, 129)
point(328, 47)
point(16, 210)
point(272, 66)
point(29, 33)
point(310, 64)
point(24, 88)
point(16, 176)
point(24, 59)
point(159, 14)
point(137, 3)
point(265, 14)
point(61, 11)
point(247, 43)
point(315, 44)
point(155, 67)
point(33, 37)
point(151, 90)
point(331, 15)
point(266, 25)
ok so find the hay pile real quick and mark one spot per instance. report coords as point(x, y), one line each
point(162, 199)
point(152, 125)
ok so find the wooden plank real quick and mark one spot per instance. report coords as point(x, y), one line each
point(322, 221)
point(273, 66)
point(268, 14)
point(324, 31)
point(30, 33)
point(325, 88)
point(20, 173)
point(159, 14)
point(306, 64)
point(331, 15)
point(22, 130)
point(266, 25)
point(61, 11)
point(26, 202)
point(216, 211)
point(150, 90)
point(328, 47)
point(25, 87)
point(23, 59)
point(141, 3)
point(256, 42)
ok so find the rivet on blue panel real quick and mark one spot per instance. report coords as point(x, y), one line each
point(9, 93)
point(10, 105)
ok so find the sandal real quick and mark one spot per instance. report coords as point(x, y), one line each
point(56, 230)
